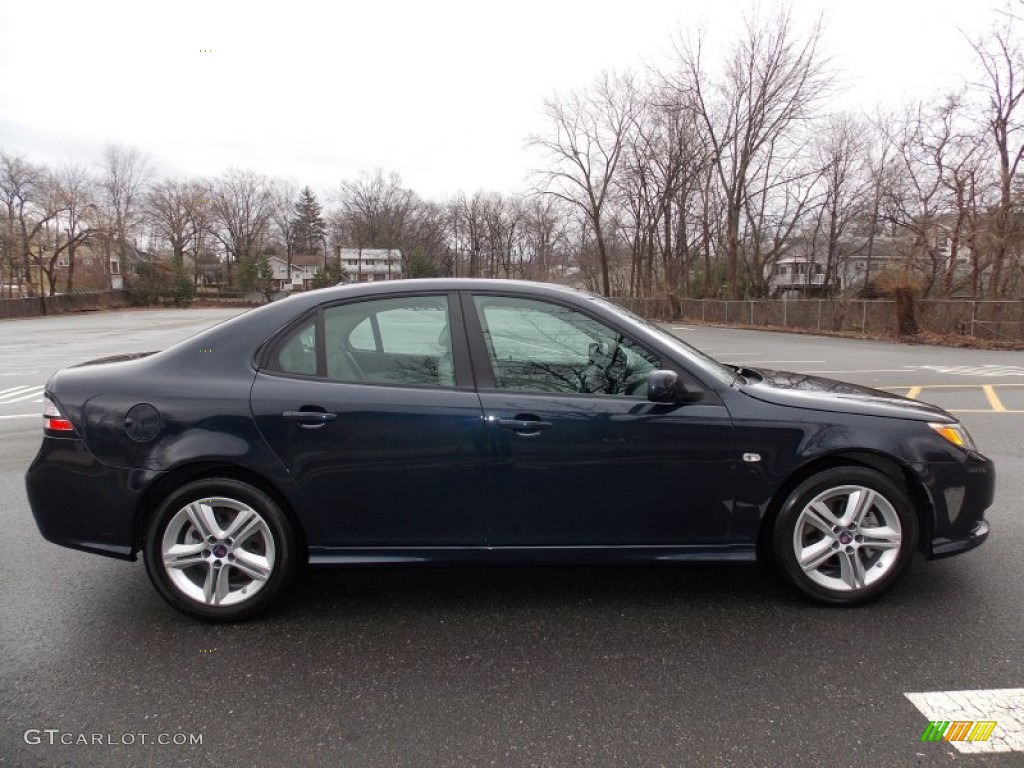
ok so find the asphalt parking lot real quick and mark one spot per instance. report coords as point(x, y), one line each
point(512, 667)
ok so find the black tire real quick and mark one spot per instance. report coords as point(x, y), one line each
point(239, 564)
point(841, 567)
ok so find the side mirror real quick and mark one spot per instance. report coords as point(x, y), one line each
point(665, 387)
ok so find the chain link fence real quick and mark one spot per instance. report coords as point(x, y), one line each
point(55, 305)
point(994, 320)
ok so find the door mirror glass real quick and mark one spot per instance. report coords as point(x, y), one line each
point(665, 387)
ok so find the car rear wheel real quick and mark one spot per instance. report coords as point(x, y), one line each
point(220, 550)
point(845, 535)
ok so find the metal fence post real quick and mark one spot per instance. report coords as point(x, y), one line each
point(819, 315)
point(974, 311)
point(751, 311)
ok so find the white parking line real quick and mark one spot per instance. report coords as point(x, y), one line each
point(866, 370)
point(19, 397)
point(1005, 706)
point(22, 416)
point(22, 388)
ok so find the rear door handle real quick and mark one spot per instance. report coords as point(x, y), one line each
point(524, 426)
point(309, 418)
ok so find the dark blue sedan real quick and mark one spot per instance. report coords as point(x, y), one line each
point(477, 421)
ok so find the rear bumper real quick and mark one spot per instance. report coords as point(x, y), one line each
point(81, 503)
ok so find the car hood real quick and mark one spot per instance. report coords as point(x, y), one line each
point(799, 390)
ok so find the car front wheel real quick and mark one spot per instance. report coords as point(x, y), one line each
point(845, 535)
point(220, 550)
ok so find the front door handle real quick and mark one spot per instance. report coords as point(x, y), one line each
point(309, 419)
point(524, 424)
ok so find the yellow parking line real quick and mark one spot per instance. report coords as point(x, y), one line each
point(947, 386)
point(978, 410)
point(913, 392)
point(993, 398)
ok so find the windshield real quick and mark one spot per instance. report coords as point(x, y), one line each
point(699, 359)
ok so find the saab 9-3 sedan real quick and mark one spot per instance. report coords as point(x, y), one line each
point(484, 421)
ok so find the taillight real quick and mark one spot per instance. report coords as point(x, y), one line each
point(54, 420)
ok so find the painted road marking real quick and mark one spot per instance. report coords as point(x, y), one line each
point(12, 390)
point(863, 370)
point(1004, 705)
point(993, 398)
point(21, 394)
point(975, 370)
point(22, 416)
point(995, 403)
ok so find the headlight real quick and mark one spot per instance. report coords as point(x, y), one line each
point(956, 434)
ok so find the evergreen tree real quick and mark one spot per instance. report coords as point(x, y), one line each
point(308, 227)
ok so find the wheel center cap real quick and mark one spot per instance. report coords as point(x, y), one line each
point(844, 538)
point(220, 551)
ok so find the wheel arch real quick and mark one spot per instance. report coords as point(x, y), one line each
point(887, 465)
point(188, 473)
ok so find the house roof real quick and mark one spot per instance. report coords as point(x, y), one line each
point(300, 260)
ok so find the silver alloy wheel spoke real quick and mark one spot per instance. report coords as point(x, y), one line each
point(184, 555)
point(822, 518)
point(814, 556)
point(851, 551)
point(857, 505)
point(247, 518)
point(253, 566)
point(253, 525)
point(851, 569)
point(203, 519)
point(215, 586)
point(233, 558)
point(882, 537)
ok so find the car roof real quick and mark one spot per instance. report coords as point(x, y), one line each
point(442, 284)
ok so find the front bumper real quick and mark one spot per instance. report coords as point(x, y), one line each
point(960, 493)
point(81, 503)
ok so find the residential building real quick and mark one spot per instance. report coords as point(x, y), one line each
point(305, 267)
point(368, 265)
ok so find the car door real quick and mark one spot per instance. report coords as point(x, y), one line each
point(581, 457)
point(370, 405)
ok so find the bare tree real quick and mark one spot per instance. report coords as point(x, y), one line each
point(172, 208)
point(241, 206)
point(840, 153)
point(374, 211)
point(124, 173)
point(1002, 59)
point(282, 203)
point(753, 116)
point(76, 222)
point(31, 204)
point(584, 149)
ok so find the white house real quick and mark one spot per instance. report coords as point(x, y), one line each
point(304, 269)
point(368, 265)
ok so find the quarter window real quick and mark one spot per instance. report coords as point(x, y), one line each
point(297, 355)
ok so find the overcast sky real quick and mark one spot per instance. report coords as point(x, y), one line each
point(444, 92)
